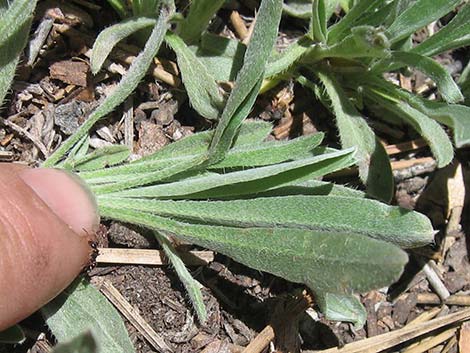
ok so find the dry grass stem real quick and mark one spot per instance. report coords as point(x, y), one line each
point(132, 314)
point(149, 257)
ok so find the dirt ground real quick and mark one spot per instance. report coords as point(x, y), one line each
point(50, 99)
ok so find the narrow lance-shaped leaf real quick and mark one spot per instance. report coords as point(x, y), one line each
point(102, 157)
point(311, 187)
point(453, 35)
point(318, 21)
point(204, 93)
point(322, 260)
point(14, 18)
point(446, 85)
point(418, 15)
point(192, 286)
point(435, 136)
point(250, 75)
point(298, 8)
point(454, 116)
point(138, 179)
point(14, 29)
point(251, 133)
point(282, 62)
point(125, 87)
point(109, 37)
point(374, 166)
point(80, 308)
point(199, 15)
point(246, 181)
point(317, 213)
point(267, 153)
point(342, 29)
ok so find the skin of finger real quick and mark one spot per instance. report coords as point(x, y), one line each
point(40, 254)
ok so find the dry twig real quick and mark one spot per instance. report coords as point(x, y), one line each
point(381, 342)
point(132, 314)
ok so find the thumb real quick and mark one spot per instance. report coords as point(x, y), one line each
point(47, 219)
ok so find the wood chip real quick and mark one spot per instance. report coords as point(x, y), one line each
point(132, 314)
point(464, 339)
point(405, 146)
point(72, 72)
point(149, 257)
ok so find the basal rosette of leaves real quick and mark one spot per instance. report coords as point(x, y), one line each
point(260, 202)
point(344, 65)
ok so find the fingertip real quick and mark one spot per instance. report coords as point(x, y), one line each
point(66, 195)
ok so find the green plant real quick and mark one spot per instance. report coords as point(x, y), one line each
point(168, 191)
point(229, 190)
point(344, 65)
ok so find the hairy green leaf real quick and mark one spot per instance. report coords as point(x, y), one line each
point(342, 29)
point(267, 153)
point(298, 8)
point(446, 85)
point(282, 62)
point(14, 30)
point(109, 37)
point(318, 21)
point(204, 93)
point(435, 136)
point(249, 78)
point(102, 157)
point(15, 17)
point(199, 15)
point(342, 307)
point(192, 286)
point(374, 165)
point(418, 15)
point(246, 181)
point(250, 132)
point(323, 260)
point(133, 180)
point(454, 116)
point(311, 187)
point(221, 56)
point(453, 35)
point(82, 308)
point(317, 213)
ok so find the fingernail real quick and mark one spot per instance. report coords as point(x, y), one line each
point(67, 196)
